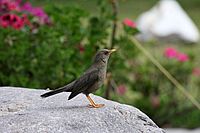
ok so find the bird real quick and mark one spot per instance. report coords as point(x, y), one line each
point(91, 80)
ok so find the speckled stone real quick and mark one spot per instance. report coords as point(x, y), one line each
point(24, 111)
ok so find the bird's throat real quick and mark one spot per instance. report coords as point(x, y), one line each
point(103, 61)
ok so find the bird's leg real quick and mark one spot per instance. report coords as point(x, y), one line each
point(93, 104)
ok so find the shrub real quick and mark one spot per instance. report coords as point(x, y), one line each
point(42, 55)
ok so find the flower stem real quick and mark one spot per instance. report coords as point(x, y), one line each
point(113, 36)
point(114, 25)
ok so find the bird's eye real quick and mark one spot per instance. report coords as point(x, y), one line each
point(106, 52)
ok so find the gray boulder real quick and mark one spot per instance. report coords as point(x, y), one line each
point(23, 111)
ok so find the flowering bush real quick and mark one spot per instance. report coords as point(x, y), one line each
point(179, 64)
point(16, 14)
point(161, 94)
point(37, 12)
point(28, 56)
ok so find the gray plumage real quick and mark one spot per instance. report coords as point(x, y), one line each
point(90, 81)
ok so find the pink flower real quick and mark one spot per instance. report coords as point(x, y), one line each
point(13, 20)
point(4, 24)
point(173, 53)
point(121, 89)
point(170, 52)
point(129, 23)
point(16, 22)
point(182, 57)
point(25, 20)
point(36, 11)
point(27, 7)
point(9, 5)
point(196, 71)
point(5, 20)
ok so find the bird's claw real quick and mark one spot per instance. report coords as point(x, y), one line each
point(96, 105)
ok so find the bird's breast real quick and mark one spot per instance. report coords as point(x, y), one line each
point(99, 83)
point(102, 75)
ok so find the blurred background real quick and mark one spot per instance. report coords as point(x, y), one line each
point(46, 44)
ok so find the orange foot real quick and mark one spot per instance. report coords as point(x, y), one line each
point(93, 104)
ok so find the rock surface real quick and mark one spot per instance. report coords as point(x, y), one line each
point(23, 111)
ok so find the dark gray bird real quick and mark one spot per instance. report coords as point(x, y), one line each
point(90, 81)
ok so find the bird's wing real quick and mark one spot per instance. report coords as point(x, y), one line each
point(84, 82)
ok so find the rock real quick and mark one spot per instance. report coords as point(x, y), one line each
point(23, 111)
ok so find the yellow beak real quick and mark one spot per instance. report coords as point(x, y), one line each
point(112, 50)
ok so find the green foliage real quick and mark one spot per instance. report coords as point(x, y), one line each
point(50, 56)
point(47, 57)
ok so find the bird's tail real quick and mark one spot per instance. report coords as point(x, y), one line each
point(51, 93)
point(66, 88)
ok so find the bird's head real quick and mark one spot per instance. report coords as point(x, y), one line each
point(103, 55)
